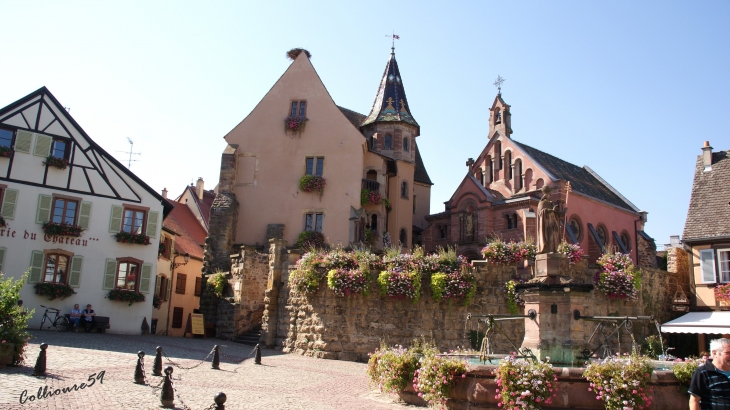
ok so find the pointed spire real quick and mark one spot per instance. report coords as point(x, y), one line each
point(391, 104)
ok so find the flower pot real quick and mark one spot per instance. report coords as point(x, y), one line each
point(7, 352)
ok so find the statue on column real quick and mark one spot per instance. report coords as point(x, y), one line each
point(548, 225)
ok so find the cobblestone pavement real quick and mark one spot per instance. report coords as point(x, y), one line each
point(283, 381)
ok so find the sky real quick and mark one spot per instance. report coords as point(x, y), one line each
point(631, 89)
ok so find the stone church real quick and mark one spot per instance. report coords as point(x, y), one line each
point(499, 194)
point(375, 182)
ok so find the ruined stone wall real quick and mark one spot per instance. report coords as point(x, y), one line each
point(324, 325)
point(646, 251)
point(242, 307)
point(677, 260)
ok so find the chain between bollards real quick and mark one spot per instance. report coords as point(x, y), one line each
point(40, 363)
point(139, 377)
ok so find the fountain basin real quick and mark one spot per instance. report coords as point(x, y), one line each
point(478, 389)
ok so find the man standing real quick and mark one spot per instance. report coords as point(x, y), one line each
point(710, 386)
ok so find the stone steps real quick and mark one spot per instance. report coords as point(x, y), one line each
point(250, 337)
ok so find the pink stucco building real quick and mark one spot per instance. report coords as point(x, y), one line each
point(268, 154)
point(498, 197)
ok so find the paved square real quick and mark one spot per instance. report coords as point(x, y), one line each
point(283, 381)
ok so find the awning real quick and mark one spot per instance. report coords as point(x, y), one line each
point(699, 322)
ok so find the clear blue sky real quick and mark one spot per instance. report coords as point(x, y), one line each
point(631, 89)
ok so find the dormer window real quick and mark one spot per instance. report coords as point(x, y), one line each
point(298, 109)
point(405, 144)
point(388, 142)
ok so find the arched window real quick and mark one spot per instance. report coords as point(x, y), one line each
point(405, 143)
point(509, 221)
point(480, 176)
point(497, 116)
point(601, 232)
point(490, 175)
point(403, 237)
point(518, 175)
point(388, 142)
point(539, 183)
point(576, 227)
point(498, 153)
point(528, 178)
point(372, 175)
point(404, 189)
point(508, 165)
point(626, 239)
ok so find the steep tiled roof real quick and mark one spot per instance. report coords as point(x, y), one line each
point(354, 117)
point(709, 205)
point(391, 104)
point(420, 174)
point(582, 180)
point(183, 222)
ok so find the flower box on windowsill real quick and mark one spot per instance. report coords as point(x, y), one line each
point(54, 290)
point(295, 124)
point(124, 295)
point(6, 152)
point(132, 238)
point(312, 183)
point(61, 229)
point(368, 197)
point(60, 163)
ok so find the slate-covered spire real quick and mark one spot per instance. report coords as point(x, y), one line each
point(391, 104)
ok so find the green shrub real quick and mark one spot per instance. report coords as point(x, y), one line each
point(14, 319)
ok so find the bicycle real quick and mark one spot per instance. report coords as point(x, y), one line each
point(61, 323)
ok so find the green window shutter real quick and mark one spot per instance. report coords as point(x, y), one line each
point(10, 200)
point(84, 214)
point(115, 222)
point(168, 293)
point(2, 258)
point(42, 145)
point(45, 202)
point(144, 282)
point(152, 222)
point(36, 267)
point(74, 277)
point(23, 140)
point(110, 274)
point(157, 282)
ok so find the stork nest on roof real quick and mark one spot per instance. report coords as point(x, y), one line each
point(294, 53)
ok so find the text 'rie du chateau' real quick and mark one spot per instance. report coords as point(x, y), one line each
point(68, 240)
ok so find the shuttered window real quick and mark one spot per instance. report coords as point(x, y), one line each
point(198, 286)
point(180, 284)
point(9, 203)
point(23, 141)
point(177, 317)
point(134, 220)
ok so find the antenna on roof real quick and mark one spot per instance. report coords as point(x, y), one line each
point(131, 152)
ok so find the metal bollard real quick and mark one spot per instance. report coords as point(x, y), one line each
point(257, 359)
point(139, 370)
point(167, 397)
point(157, 366)
point(40, 363)
point(216, 359)
point(220, 400)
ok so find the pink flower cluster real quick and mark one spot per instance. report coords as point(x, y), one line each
point(347, 282)
point(573, 251)
point(621, 383)
point(400, 285)
point(294, 123)
point(722, 292)
point(435, 378)
point(618, 277)
point(455, 285)
point(312, 183)
point(506, 253)
point(522, 384)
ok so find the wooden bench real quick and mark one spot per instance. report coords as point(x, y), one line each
point(101, 323)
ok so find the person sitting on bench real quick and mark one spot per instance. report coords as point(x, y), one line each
point(89, 322)
point(74, 317)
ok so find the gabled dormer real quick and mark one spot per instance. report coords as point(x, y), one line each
point(500, 118)
point(390, 127)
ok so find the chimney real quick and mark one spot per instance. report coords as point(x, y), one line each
point(707, 156)
point(674, 240)
point(199, 188)
point(164, 193)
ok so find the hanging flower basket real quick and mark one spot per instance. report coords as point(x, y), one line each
point(54, 290)
point(618, 277)
point(347, 282)
point(124, 295)
point(400, 284)
point(312, 183)
point(60, 163)
point(456, 285)
point(6, 152)
point(573, 252)
point(132, 238)
point(506, 253)
point(295, 124)
point(61, 229)
point(370, 197)
point(156, 302)
point(386, 202)
point(514, 299)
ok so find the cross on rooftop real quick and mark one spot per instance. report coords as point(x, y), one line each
point(498, 83)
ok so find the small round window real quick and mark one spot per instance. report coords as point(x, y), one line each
point(601, 232)
point(626, 240)
point(576, 228)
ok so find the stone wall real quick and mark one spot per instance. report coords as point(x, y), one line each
point(324, 325)
point(242, 307)
point(646, 251)
point(677, 260)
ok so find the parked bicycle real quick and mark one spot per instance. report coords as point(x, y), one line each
point(61, 323)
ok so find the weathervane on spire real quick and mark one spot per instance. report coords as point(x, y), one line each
point(393, 37)
point(498, 83)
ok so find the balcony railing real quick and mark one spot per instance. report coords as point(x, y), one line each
point(370, 185)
